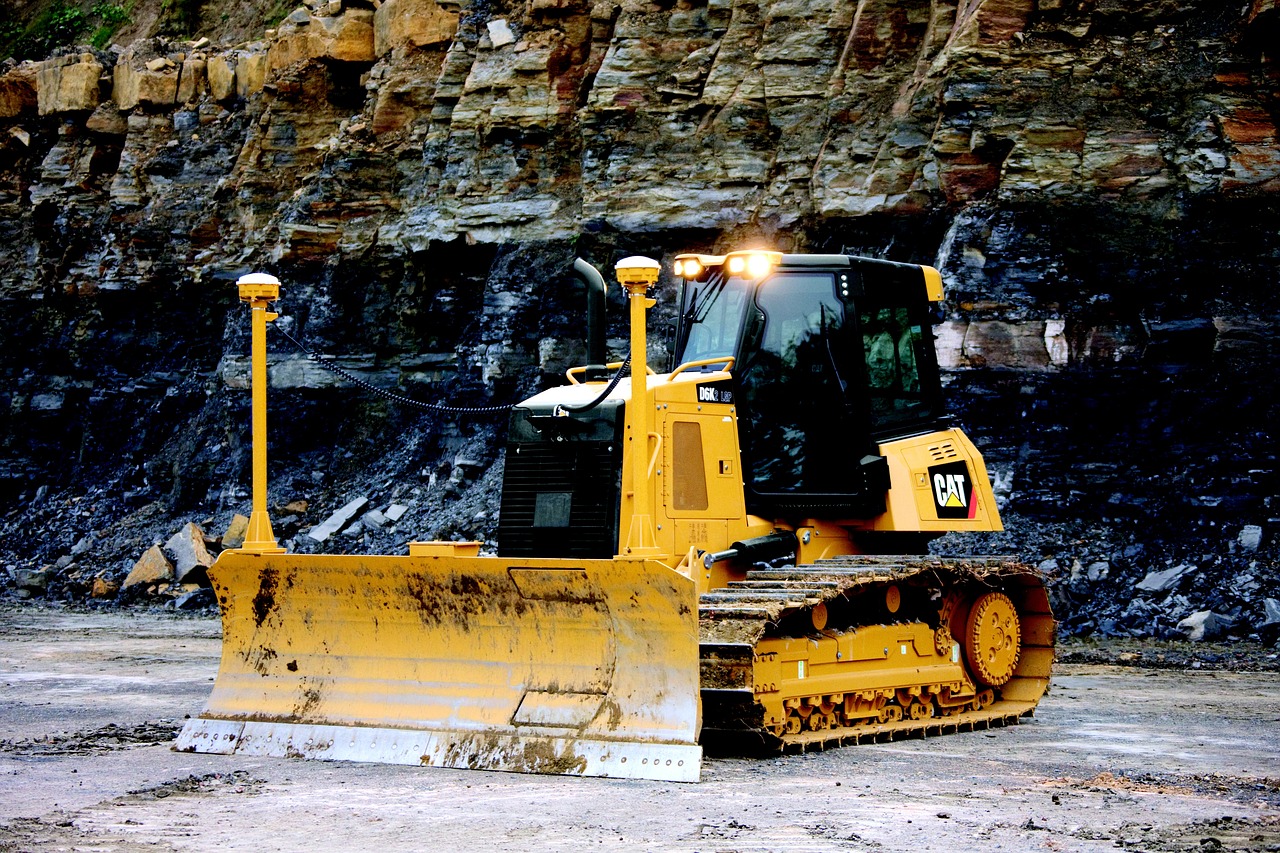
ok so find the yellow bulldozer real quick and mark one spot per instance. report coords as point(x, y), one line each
point(730, 554)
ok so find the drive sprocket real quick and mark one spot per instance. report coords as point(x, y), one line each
point(992, 642)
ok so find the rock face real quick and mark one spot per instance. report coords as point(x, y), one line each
point(1098, 182)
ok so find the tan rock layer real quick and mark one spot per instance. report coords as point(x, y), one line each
point(401, 129)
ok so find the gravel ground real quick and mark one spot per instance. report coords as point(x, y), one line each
point(1124, 756)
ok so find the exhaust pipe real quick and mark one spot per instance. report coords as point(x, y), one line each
point(590, 276)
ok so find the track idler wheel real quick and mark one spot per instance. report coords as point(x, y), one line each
point(792, 725)
point(822, 718)
point(993, 639)
point(919, 710)
point(889, 714)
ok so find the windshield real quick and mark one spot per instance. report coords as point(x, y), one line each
point(711, 315)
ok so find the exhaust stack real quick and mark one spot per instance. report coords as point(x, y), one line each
point(590, 276)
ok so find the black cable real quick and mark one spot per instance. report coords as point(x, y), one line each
point(382, 392)
point(613, 383)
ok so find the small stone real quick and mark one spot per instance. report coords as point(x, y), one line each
point(1250, 538)
point(160, 63)
point(1098, 571)
point(1165, 580)
point(152, 567)
point(298, 507)
point(340, 519)
point(84, 545)
point(196, 599)
point(236, 530)
point(104, 588)
point(395, 512)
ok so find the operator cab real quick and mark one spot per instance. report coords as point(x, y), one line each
point(833, 355)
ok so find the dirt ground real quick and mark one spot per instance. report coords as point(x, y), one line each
point(1116, 757)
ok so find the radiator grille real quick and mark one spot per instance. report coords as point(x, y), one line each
point(589, 471)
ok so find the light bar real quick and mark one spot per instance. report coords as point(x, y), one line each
point(752, 264)
point(693, 266)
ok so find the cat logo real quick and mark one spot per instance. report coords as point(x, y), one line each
point(953, 492)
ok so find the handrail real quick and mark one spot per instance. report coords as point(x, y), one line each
point(657, 451)
point(571, 373)
point(726, 360)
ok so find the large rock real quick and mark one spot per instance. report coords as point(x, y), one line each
point(412, 24)
point(136, 83)
point(221, 71)
point(193, 80)
point(236, 531)
point(108, 121)
point(1204, 625)
point(1165, 580)
point(1250, 537)
point(251, 72)
point(68, 84)
point(34, 581)
point(190, 557)
point(1271, 611)
point(152, 567)
point(18, 91)
point(340, 520)
point(347, 38)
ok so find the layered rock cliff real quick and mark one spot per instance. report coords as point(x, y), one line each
point(1098, 180)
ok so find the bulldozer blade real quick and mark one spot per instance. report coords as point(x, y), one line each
point(575, 667)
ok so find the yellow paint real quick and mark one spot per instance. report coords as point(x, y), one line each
point(872, 663)
point(444, 549)
point(259, 290)
point(911, 504)
point(933, 284)
point(602, 649)
point(637, 275)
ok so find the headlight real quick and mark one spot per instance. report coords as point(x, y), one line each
point(736, 265)
point(758, 266)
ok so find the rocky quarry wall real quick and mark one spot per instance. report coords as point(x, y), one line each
point(1099, 182)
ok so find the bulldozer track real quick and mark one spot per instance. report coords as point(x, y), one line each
point(772, 602)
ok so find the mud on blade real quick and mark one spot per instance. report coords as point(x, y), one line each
point(576, 667)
